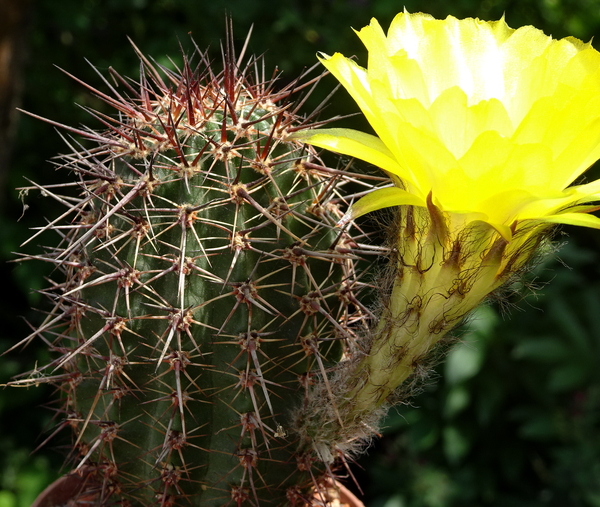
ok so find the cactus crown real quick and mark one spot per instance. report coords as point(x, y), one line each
point(203, 288)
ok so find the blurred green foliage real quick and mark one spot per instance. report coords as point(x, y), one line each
point(514, 417)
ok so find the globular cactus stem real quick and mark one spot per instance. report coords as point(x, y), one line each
point(201, 289)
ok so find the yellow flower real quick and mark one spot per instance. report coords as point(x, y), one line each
point(483, 130)
point(492, 123)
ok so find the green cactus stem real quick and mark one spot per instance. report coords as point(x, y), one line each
point(201, 287)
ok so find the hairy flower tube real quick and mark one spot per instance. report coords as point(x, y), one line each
point(482, 129)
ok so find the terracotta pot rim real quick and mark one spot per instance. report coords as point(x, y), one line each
point(337, 495)
point(78, 484)
point(75, 484)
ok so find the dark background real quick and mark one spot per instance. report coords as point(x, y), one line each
point(513, 418)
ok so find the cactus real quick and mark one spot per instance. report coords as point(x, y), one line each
point(201, 287)
point(209, 342)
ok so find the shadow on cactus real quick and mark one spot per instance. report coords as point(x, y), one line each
point(201, 288)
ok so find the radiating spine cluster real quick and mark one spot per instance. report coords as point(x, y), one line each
point(205, 289)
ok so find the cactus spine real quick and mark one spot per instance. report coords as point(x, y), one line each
point(204, 289)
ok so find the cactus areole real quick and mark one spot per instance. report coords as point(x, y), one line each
point(201, 289)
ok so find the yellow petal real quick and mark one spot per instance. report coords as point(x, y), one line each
point(353, 77)
point(578, 156)
point(588, 191)
point(457, 124)
point(353, 143)
point(582, 220)
point(384, 198)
